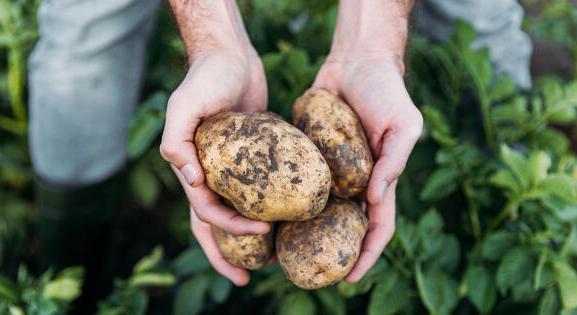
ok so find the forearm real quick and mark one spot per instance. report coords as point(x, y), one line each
point(372, 27)
point(208, 25)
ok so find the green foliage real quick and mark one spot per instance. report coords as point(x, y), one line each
point(487, 208)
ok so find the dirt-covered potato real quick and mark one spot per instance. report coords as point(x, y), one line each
point(248, 251)
point(337, 131)
point(268, 169)
point(323, 250)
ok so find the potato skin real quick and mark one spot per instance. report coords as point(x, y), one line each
point(338, 133)
point(323, 250)
point(248, 251)
point(268, 169)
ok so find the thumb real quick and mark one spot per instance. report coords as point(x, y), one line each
point(177, 146)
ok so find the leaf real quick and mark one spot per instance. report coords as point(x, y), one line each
point(8, 291)
point(563, 210)
point(366, 283)
point(549, 303)
point(274, 283)
point(514, 111)
point(150, 261)
point(481, 288)
point(65, 289)
point(545, 274)
point(389, 296)
point(146, 125)
point(539, 164)
point(438, 291)
point(506, 179)
point(441, 183)
point(436, 120)
point(220, 289)
point(190, 295)
point(560, 185)
point(517, 164)
point(152, 279)
point(551, 139)
point(331, 301)
point(190, 261)
point(448, 253)
point(430, 223)
point(408, 236)
point(145, 185)
point(297, 303)
point(514, 268)
point(503, 88)
point(567, 278)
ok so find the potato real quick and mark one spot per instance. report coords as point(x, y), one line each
point(337, 131)
point(268, 169)
point(323, 250)
point(248, 251)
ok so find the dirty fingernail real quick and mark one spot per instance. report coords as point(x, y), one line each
point(189, 173)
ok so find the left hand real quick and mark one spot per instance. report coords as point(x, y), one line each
point(373, 86)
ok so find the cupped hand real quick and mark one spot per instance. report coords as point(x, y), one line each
point(373, 86)
point(216, 81)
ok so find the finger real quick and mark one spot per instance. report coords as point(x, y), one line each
point(395, 150)
point(381, 229)
point(177, 146)
point(203, 234)
point(209, 209)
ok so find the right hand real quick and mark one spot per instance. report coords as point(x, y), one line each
point(216, 81)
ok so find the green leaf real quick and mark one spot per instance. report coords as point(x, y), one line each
point(560, 185)
point(220, 289)
point(190, 295)
point(551, 139)
point(563, 210)
point(65, 289)
point(567, 278)
point(481, 288)
point(152, 279)
point(430, 223)
point(436, 120)
point(190, 261)
point(506, 179)
point(389, 296)
point(503, 88)
point(297, 303)
point(514, 112)
point(545, 274)
point(447, 255)
point(438, 291)
point(145, 185)
point(331, 301)
point(275, 283)
point(8, 291)
point(517, 164)
point(366, 283)
point(408, 236)
point(146, 125)
point(441, 183)
point(514, 268)
point(549, 303)
point(539, 164)
point(150, 261)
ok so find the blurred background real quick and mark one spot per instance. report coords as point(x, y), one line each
point(487, 209)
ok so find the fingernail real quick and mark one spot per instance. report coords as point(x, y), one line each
point(189, 173)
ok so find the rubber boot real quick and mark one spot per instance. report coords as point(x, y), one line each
point(75, 226)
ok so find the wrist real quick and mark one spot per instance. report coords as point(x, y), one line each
point(372, 28)
point(209, 26)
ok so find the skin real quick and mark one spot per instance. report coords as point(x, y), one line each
point(365, 67)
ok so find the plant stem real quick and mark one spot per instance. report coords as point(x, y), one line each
point(506, 211)
point(473, 210)
point(16, 77)
point(12, 126)
point(395, 261)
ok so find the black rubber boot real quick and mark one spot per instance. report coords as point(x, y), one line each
point(75, 226)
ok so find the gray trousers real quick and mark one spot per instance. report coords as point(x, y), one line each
point(86, 69)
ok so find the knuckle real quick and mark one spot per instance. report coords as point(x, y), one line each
point(168, 151)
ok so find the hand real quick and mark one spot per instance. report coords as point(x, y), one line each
point(216, 81)
point(372, 84)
